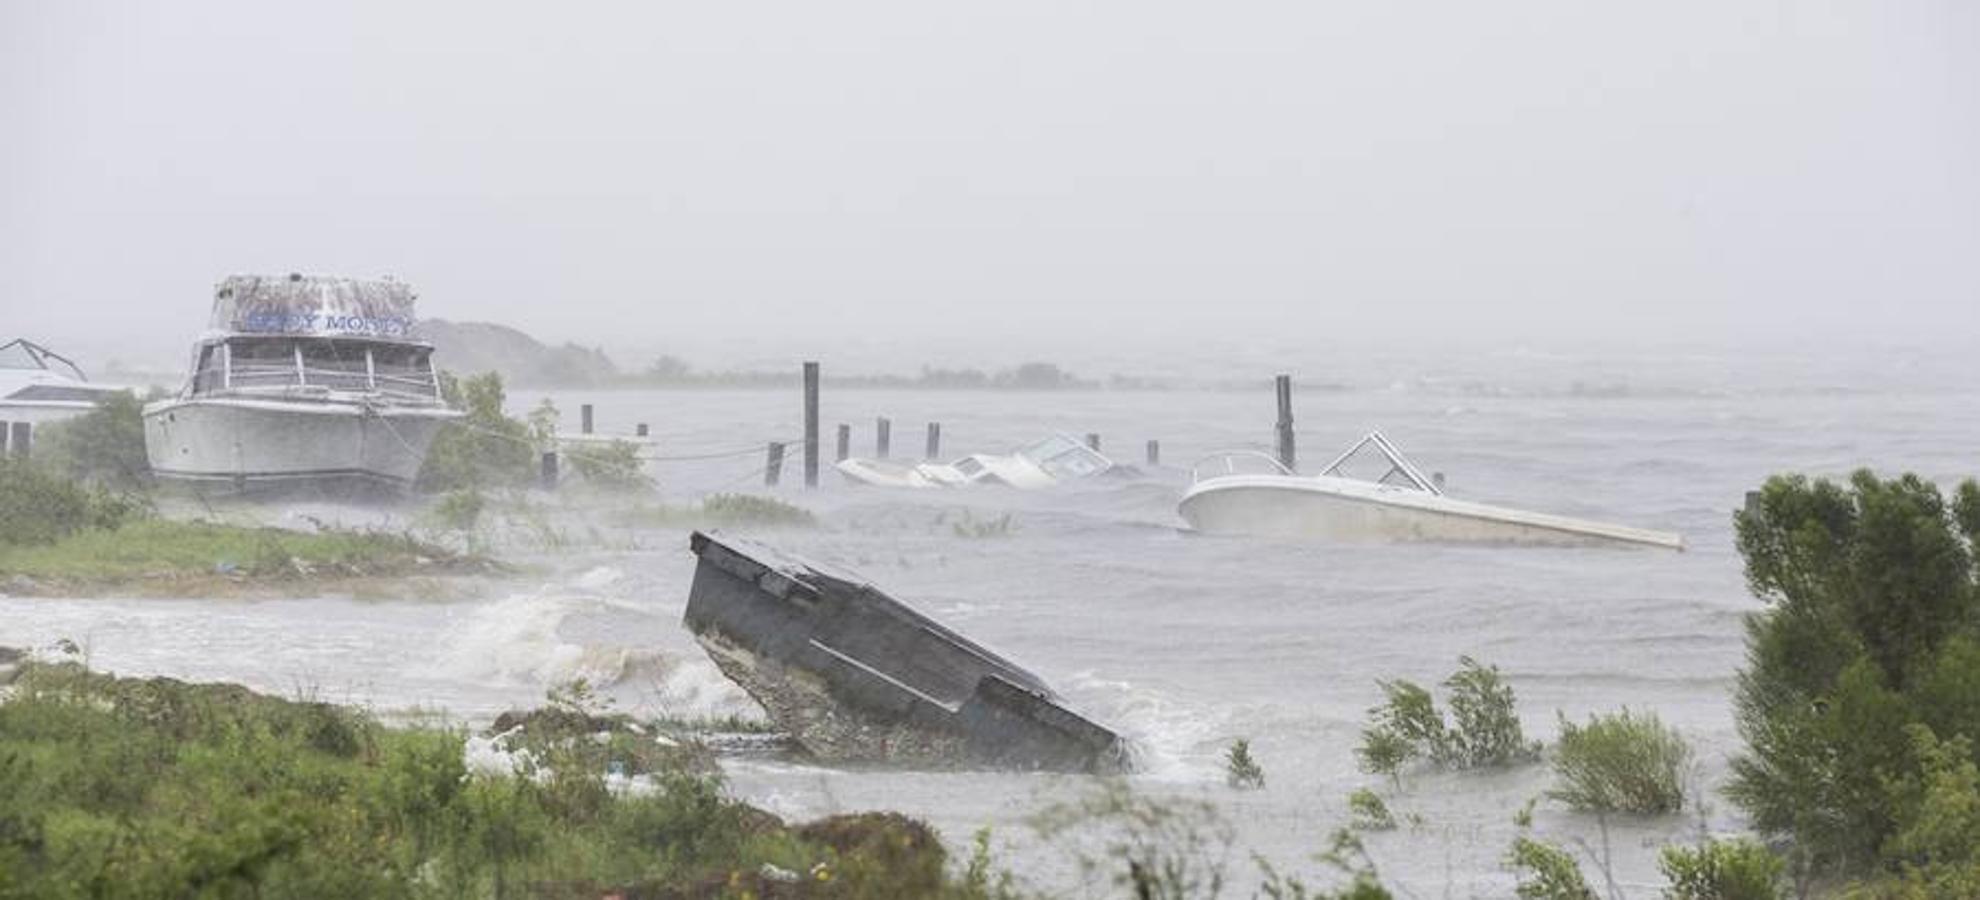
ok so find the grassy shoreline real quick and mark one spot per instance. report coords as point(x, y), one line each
point(157, 787)
point(154, 555)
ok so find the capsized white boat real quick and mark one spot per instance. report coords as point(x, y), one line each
point(1053, 460)
point(1399, 505)
point(302, 380)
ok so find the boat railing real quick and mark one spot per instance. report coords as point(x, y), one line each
point(1236, 462)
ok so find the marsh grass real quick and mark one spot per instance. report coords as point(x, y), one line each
point(725, 510)
point(1621, 762)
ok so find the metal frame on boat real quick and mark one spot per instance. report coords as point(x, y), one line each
point(35, 388)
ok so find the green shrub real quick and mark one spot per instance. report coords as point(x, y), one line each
point(1621, 763)
point(1142, 846)
point(1240, 769)
point(460, 510)
point(1367, 812)
point(969, 526)
point(104, 446)
point(1737, 869)
point(1546, 872)
point(748, 509)
point(1485, 724)
point(1868, 637)
point(156, 788)
point(485, 448)
point(612, 465)
point(1408, 726)
point(37, 507)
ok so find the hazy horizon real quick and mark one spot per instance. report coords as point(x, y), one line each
point(687, 178)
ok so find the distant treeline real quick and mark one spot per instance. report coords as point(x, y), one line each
point(670, 371)
point(523, 361)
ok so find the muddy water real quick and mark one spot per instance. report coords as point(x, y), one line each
point(1183, 642)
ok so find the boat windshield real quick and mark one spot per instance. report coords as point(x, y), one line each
point(1063, 458)
point(24, 354)
point(1375, 459)
point(339, 365)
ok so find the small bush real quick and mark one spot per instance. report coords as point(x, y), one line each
point(746, 509)
point(1367, 812)
point(613, 465)
point(37, 507)
point(1738, 869)
point(1240, 770)
point(485, 448)
point(1146, 847)
point(1408, 726)
point(976, 529)
point(1621, 763)
point(103, 446)
point(1546, 872)
point(460, 510)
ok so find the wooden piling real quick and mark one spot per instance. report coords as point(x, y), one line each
point(1288, 453)
point(3, 438)
point(546, 472)
point(934, 440)
point(845, 442)
point(1093, 442)
point(584, 418)
point(1154, 452)
point(883, 436)
point(811, 424)
point(640, 430)
point(773, 464)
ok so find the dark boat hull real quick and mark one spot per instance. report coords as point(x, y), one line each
point(856, 676)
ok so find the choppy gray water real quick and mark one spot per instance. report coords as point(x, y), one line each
point(1184, 642)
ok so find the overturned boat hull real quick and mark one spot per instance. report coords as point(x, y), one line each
point(1340, 509)
point(856, 676)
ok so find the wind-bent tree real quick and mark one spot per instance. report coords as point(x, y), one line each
point(1860, 703)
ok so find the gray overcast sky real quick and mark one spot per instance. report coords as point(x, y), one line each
point(612, 173)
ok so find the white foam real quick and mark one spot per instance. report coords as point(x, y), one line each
point(1166, 732)
point(492, 756)
point(517, 641)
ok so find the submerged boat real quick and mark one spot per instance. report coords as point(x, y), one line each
point(315, 381)
point(38, 385)
point(1054, 460)
point(1399, 504)
point(854, 675)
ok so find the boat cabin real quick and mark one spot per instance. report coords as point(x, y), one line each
point(343, 364)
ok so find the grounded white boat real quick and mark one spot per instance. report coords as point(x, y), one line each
point(1053, 460)
point(302, 380)
point(1399, 505)
point(39, 385)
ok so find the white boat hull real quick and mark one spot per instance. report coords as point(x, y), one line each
point(1341, 510)
point(249, 442)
